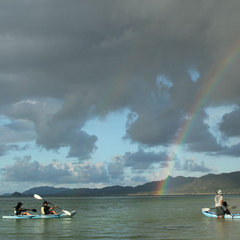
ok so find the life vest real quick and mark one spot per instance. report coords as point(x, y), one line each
point(42, 211)
point(16, 211)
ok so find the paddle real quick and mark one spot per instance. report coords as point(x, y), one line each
point(209, 209)
point(27, 209)
point(33, 210)
point(40, 198)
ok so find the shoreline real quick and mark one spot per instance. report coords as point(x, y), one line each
point(125, 195)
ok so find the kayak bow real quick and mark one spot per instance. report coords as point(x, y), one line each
point(210, 213)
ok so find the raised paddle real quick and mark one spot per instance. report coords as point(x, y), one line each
point(40, 198)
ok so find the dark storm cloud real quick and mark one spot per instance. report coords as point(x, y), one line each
point(96, 57)
point(230, 124)
point(17, 131)
point(4, 149)
point(142, 160)
point(200, 139)
point(233, 151)
point(38, 116)
point(138, 162)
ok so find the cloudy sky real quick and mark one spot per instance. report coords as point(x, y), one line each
point(96, 93)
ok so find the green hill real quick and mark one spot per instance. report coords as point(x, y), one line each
point(229, 183)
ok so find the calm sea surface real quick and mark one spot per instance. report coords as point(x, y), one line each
point(177, 217)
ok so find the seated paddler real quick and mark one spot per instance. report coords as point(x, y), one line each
point(18, 210)
point(45, 209)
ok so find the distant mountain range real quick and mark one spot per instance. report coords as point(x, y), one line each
point(229, 183)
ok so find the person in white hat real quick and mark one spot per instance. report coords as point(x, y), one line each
point(218, 204)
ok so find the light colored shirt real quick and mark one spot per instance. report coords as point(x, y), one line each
point(218, 200)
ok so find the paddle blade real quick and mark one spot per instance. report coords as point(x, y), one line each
point(206, 209)
point(37, 197)
point(67, 212)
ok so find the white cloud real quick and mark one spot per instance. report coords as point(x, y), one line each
point(116, 169)
point(26, 170)
point(192, 166)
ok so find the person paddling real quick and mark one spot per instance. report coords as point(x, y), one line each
point(46, 209)
point(218, 204)
point(18, 210)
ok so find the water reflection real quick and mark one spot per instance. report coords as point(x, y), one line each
point(122, 218)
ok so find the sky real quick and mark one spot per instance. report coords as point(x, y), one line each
point(102, 93)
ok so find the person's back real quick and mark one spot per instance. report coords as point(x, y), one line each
point(218, 204)
point(218, 200)
point(17, 209)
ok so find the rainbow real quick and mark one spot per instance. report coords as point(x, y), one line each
point(213, 79)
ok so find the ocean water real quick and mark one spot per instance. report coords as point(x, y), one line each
point(163, 217)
